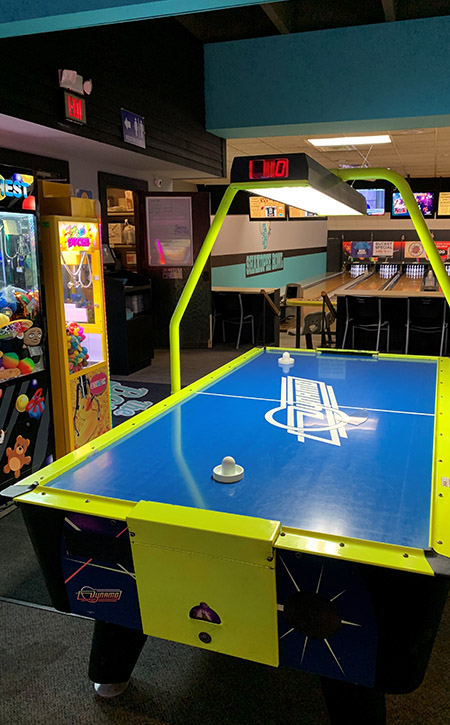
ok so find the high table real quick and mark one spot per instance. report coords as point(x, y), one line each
point(330, 555)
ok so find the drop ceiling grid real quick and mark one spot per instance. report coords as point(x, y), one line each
point(416, 152)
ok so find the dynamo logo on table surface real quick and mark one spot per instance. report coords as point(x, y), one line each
point(309, 407)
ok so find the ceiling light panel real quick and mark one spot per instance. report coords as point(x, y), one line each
point(350, 141)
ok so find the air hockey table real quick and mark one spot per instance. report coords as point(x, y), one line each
point(332, 553)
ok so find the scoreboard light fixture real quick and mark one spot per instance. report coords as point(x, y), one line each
point(297, 180)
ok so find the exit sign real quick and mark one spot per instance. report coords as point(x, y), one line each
point(75, 107)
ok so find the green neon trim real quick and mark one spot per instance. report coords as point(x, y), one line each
point(414, 212)
point(188, 290)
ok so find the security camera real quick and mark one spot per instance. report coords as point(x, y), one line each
point(158, 183)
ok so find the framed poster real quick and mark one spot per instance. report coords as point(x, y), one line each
point(169, 231)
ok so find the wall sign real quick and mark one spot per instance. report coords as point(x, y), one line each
point(362, 250)
point(383, 249)
point(75, 108)
point(262, 263)
point(16, 190)
point(133, 128)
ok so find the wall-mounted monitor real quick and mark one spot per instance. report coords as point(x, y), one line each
point(295, 213)
point(262, 208)
point(444, 203)
point(375, 199)
point(425, 200)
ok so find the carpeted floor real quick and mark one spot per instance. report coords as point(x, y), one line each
point(43, 665)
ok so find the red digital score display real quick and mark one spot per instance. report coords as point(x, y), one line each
point(261, 169)
point(75, 108)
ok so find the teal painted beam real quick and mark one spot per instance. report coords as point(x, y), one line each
point(28, 18)
point(365, 78)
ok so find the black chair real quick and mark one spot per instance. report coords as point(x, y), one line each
point(229, 307)
point(365, 313)
point(428, 316)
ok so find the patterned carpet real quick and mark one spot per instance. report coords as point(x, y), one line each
point(129, 398)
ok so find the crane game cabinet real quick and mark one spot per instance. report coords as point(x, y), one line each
point(26, 435)
point(73, 274)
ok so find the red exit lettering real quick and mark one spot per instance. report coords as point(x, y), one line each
point(75, 108)
point(260, 169)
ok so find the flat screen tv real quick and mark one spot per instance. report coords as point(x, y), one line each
point(374, 200)
point(262, 208)
point(295, 213)
point(444, 203)
point(425, 201)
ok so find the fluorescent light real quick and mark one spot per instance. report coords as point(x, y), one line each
point(350, 140)
point(307, 198)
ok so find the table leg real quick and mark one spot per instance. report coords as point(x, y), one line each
point(298, 323)
point(349, 704)
point(114, 653)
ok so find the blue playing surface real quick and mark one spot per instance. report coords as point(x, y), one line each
point(356, 460)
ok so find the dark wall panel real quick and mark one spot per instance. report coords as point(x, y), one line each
point(153, 68)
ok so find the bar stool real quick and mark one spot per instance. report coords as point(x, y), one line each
point(364, 313)
point(232, 311)
point(428, 316)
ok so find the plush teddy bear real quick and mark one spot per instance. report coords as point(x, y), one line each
point(16, 457)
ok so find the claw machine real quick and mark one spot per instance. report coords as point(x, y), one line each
point(73, 274)
point(26, 437)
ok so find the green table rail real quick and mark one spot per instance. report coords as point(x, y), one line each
point(344, 174)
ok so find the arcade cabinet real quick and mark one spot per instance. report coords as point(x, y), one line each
point(26, 438)
point(73, 275)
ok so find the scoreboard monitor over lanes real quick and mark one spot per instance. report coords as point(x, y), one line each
point(260, 207)
point(297, 180)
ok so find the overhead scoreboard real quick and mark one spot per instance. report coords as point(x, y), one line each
point(297, 180)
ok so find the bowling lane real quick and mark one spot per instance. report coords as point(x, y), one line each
point(374, 282)
point(408, 284)
point(327, 285)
